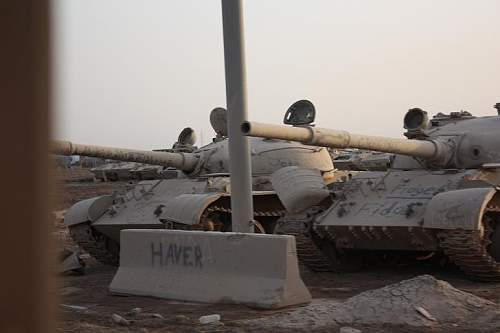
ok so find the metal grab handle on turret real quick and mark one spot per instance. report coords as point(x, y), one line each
point(183, 161)
point(427, 149)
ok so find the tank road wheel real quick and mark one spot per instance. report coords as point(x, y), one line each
point(477, 253)
point(264, 220)
point(102, 248)
point(258, 228)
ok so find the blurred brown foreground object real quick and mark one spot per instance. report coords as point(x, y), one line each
point(257, 270)
point(24, 92)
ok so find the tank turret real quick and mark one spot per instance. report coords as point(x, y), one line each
point(267, 154)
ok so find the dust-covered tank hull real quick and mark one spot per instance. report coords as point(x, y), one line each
point(420, 211)
point(440, 196)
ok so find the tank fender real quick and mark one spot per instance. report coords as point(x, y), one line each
point(299, 188)
point(88, 210)
point(458, 209)
point(188, 208)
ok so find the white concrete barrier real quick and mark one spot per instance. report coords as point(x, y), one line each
point(253, 269)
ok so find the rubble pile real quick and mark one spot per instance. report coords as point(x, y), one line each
point(421, 301)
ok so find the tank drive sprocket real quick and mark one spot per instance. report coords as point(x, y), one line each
point(473, 251)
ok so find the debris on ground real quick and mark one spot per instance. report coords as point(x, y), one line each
point(157, 315)
point(134, 311)
point(396, 304)
point(66, 291)
point(70, 262)
point(59, 215)
point(74, 307)
point(209, 319)
point(117, 319)
point(338, 289)
point(425, 313)
point(182, 319)
point(347, 329)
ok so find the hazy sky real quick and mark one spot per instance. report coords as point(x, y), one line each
point(134, 73)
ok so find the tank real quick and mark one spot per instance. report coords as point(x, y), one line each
point(115, 171)
point(131, 171)
point(193, 192)
point(439, 197)
point(360, 160)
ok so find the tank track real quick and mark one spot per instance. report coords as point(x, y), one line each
point(83, 235)
point(469, 250)
point(270, 213)
point(308, 253)
point(96, 246)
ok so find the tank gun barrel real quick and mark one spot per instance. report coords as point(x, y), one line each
point(183, 161)
point(427, 149)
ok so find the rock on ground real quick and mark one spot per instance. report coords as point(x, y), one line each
point(66, 291)
point(119, 320)
point(395, 304)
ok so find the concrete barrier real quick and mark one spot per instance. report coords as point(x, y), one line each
point(252, 269)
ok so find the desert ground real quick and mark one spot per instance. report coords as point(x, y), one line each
point(404, 298)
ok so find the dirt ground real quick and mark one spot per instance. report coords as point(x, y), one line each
point(91, 291)
point(95, 305)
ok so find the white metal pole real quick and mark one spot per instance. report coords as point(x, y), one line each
point(236, 97)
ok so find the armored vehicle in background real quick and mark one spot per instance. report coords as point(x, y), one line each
point(361, 160)
point(115, 171)
point(120, 171)
point(439, 196)
point(194, 191)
